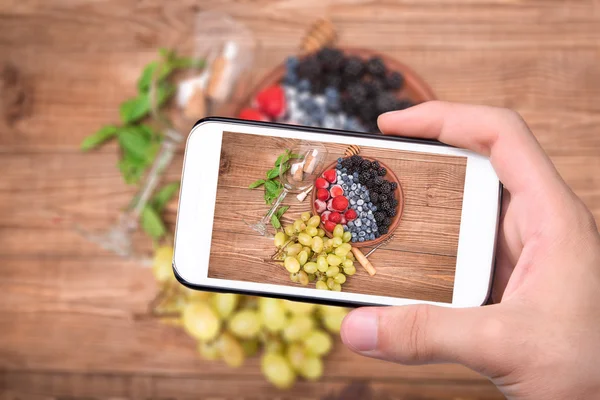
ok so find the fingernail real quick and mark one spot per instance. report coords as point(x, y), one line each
point(360, 330)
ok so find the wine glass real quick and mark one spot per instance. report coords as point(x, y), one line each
point(305, 164)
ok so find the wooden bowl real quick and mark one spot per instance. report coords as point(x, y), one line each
point(414, 89)
point(399, 195)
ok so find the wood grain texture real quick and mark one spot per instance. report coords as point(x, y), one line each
point(66, 306)
point(421, 267)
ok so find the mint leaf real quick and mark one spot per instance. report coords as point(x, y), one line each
point(152, 224)
point(273, 173)
point(162, 197)
point(275, 222)
point(281, 210)
point(135, 109)
point(131, 168)
point(102, 135)
point(256, 184)
point(134, 142)
point(282, 159)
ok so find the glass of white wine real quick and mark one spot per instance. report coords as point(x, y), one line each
point(306, 160)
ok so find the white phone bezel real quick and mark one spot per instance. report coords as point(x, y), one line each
point(193, 233)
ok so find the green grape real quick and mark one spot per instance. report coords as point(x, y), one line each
point(305, 216)
point(250, 347)
point(162, 264)
point(298, 326)
point(322, 264)
point(317, 244)
point(320, 276)
point(333, 321)
point(289, 230)
point(338, 231)
point(330, 283)
point(209, 350)
point(343, 249)
point(245, 324)
point(225, 303)
point(346, 237)
point(311, 277)
point(336, 241)
point(314, 221)
point(273, 345)
point(332, 271)
point(304, 239)
point(318, 342)
point(333, 260)
point(294, 277)
point(277, 370)
point(336, 287)
point(291, 264)
point(350, 256)
point(347, 263)
point(321, 285)
point(272, 314)
point(303, 278)
point(327, 245)
point(293, 249)
point(298, 307)
point(350, 270)
point(308, 250)
point(312, 368)
point(296, 354)
point(340, 278)
point(310, 267)
point(302, 257)
point(200, 321)
point(312, 231)
point(231, 350)
point(280, 239)
point(299, 226)
point(321, 232)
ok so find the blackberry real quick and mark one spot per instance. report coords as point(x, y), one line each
point(403, 104)
point(375, 66)
point(318, 86)
point(357, 93)
point(333, 80)
point(386, 222)
point(386, 187)
point(379, 216)
point(353, 69)
point(394, 81)
point(393, 185)
point(365, 165)
point(383, 198)
point(374, 197)
point(368, 112)
point(382, 171)
point(364, 176)
point(376, 165)
point(392, 212)
point(355, 159)
point(374, 87)
point(348, 106)
point(378, 181)
point(395, 203)
point(385, 206)
point(386, 101)
point(383, 230)
point(309, 68)
point(331, 59)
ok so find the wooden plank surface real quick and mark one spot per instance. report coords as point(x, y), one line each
point(66, 306)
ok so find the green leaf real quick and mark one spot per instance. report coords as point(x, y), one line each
point(132, 169)
point(162, 197)
point(273, 173)
point(256, 184)
point(282, 158)
point(135, 109)
point(102, 135)
point(145, 80)
point(152, 224)
point(134, 142)
point(187, 62)
point(271, 186)
point(275, 222)
point(281, 210)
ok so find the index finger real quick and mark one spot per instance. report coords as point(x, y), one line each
point(499, 134)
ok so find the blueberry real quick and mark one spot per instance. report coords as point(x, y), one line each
point(374, 208)
point(345, 170)
point(361, 233)
point(361, 239)
point(351, 193)
point(344, 175)
point(355, 174)
point(356, 180)
point(364, 189)
point(353, 239)
point(290, 78)
point(352, 201)
point(369, 232)
point(369, 212)
point(363, 214)
point(330, 91)
point(354, 234)
point(371, 237)
point(368, 223)
point(304, 85)
point(370, 204)
point(359, 208)
point(375, 228)
point(345, 227)
point(350, 224)
point(291, 62)
point(358, 223)
point(344, 186)
point(353, 187)
point(360, 202)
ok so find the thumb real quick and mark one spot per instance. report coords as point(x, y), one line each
point(423, 334)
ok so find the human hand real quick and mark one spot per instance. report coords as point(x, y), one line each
point(541, 340)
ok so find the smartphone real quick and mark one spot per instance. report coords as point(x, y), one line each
point(446, 201)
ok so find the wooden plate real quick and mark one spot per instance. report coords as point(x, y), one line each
point(414, 89)
point(399, 195)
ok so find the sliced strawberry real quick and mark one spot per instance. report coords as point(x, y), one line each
point(271, 101)
point(330, 175)
point(320, 206)
point(322, 194)
point(321, 183)
point(330, 205)
point(252, 114)
point(351, 215)
point(336, 190)
point(339, 203)
point(343, 221)
point(335, 217)
point(325, 216)
point(329, 226)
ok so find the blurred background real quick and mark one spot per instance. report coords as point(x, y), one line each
point(79, 321)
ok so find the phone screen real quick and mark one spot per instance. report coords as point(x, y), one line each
point(413, 200)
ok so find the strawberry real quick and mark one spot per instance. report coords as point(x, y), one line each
point(330, 205)
point(322, 194)
point(343, 221)
point(252, 114)
point(320, 206)
point(336, 190)
point(335, 217)
point(321, 183)
point(271, 101)
point(330, 226)
point(325, 216)
point(330, 175)
point(351, 215)
point(339, 203)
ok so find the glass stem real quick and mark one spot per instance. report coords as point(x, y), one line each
point(267, 218)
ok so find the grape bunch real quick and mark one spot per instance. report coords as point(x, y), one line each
point(293, 337)
point(309, 256)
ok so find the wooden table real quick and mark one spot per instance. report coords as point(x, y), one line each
point(66, 306)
